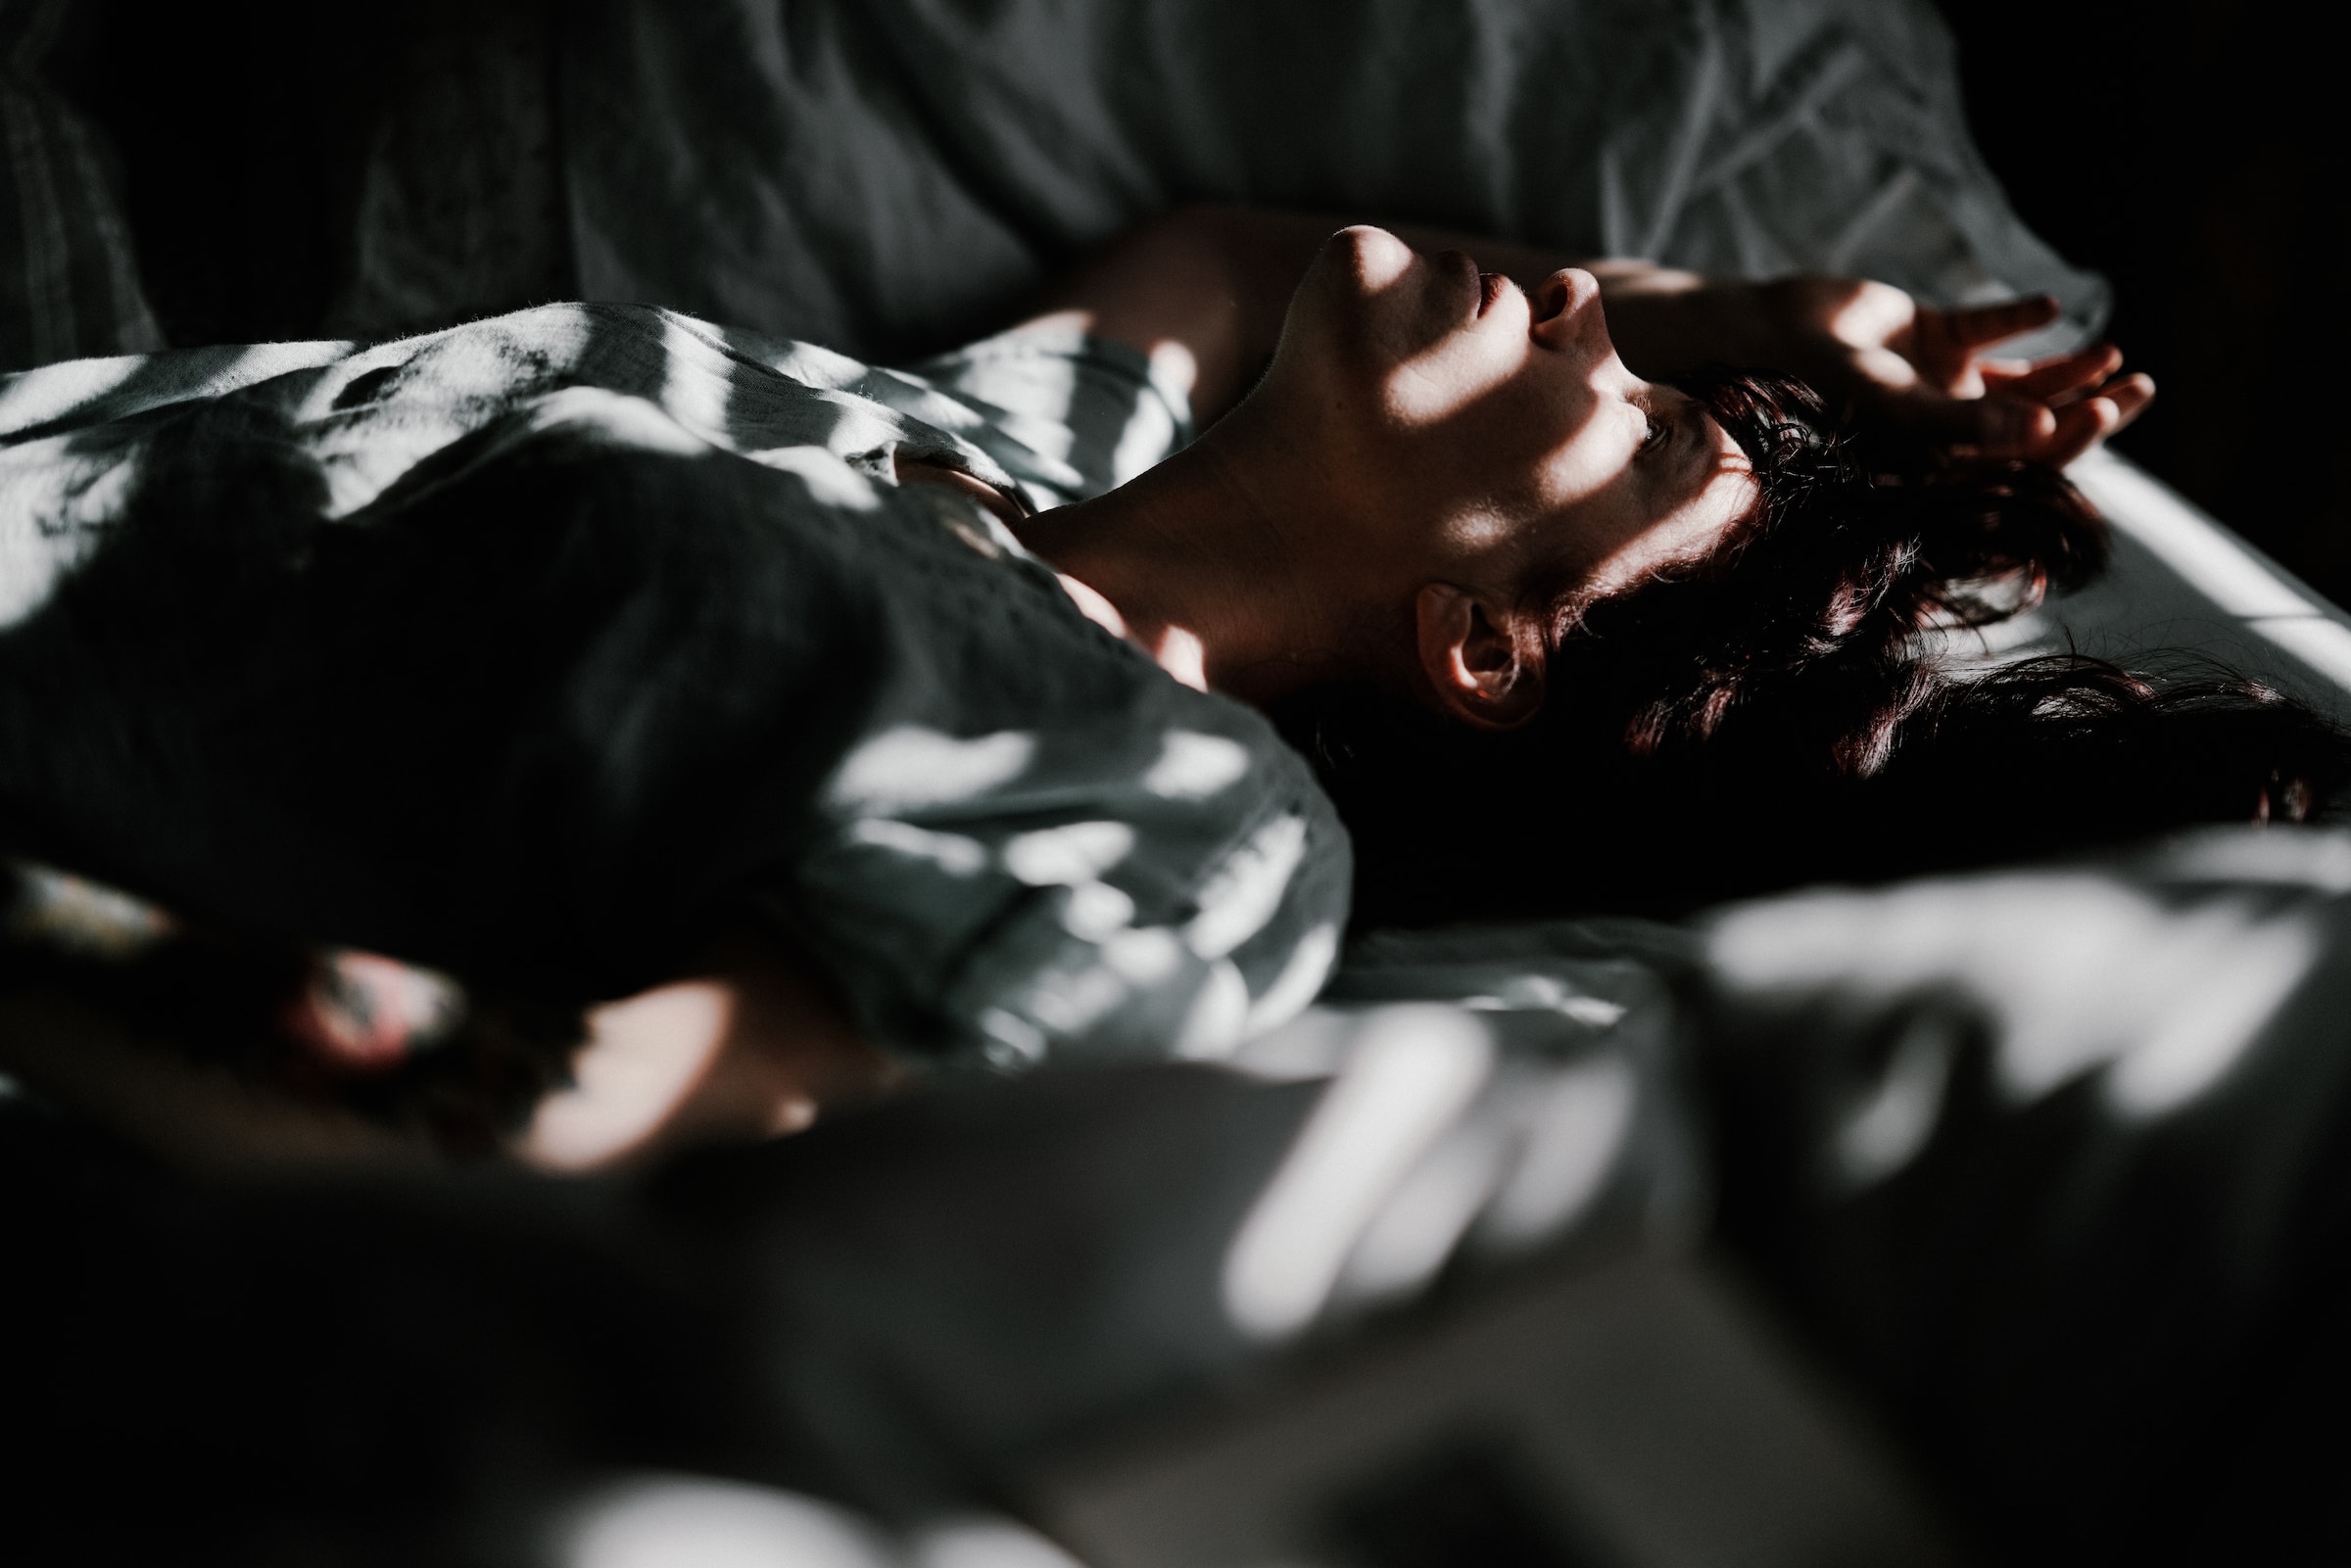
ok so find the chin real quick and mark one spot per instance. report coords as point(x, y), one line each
point(1375, 258)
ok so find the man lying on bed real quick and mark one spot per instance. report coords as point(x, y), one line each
point(592, 648)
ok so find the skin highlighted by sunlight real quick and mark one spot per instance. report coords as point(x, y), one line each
point(1175, 365)
point(1056, 323)
point(1690, 534)
point(753, 1049)
point(1422, 426)
point(643, 1060)
point(1173, 649)
point(1429, 387)
point(1183, 655)
point(1545, 365)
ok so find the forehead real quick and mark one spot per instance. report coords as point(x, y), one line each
point(1683, 517)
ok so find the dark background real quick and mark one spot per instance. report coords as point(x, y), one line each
point(2192, 152)
point(2195, 154)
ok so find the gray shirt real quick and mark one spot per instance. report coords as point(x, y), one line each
point(545, 647)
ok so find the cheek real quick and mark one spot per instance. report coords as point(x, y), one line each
point(1469, 479)
point(1541, 440)
point(1584, 464)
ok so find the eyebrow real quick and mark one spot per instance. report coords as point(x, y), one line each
point(1693, 459)
point(1699, 463)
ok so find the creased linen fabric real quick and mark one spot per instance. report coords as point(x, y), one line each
point(887, 174)
point(2049, 1159)
point(542, 650)
point(68, 276)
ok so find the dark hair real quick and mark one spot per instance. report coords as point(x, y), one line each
point(1771, 718)
point(1840, 559)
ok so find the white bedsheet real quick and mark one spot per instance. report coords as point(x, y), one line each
point(2184, 594)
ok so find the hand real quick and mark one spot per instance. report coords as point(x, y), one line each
point(1924, 371)
point(753, 1047)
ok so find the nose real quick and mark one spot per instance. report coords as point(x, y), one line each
point(1567, 318)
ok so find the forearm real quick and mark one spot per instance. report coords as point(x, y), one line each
point(1201, 289)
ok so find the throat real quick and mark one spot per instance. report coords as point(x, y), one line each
point(1199, 575)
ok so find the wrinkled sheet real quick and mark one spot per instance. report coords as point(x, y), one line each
point(891, 1311)
point(889, 176)
point(2051, 1160)
point(2045, 1162)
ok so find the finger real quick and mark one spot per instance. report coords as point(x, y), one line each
point(2127, 393)
point(1976, 325)
point(2129, 396)
point(2048, 379)
point(2080, 428)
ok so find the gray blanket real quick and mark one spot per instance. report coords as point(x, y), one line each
point(890, 176)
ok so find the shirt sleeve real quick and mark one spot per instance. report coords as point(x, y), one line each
point(1041, 845)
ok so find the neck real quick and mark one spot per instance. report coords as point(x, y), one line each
point(1212, 549)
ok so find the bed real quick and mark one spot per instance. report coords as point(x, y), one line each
point(1986, 1217)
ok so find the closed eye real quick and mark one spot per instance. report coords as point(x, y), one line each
point(1660, 430)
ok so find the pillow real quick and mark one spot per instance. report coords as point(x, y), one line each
point(68, 280)
point(889, 178)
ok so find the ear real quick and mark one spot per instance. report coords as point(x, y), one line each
point(1487, 668)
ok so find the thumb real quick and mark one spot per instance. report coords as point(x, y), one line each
point(1974, 326)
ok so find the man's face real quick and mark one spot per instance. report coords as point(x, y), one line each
point(1453, 412)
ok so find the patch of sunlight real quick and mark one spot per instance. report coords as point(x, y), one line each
point(915, 766)
point(1246, 891)
point(1413, 1070)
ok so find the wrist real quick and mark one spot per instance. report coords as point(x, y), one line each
point(1668, 325)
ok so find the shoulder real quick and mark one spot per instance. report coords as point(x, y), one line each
point(1102, 410)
